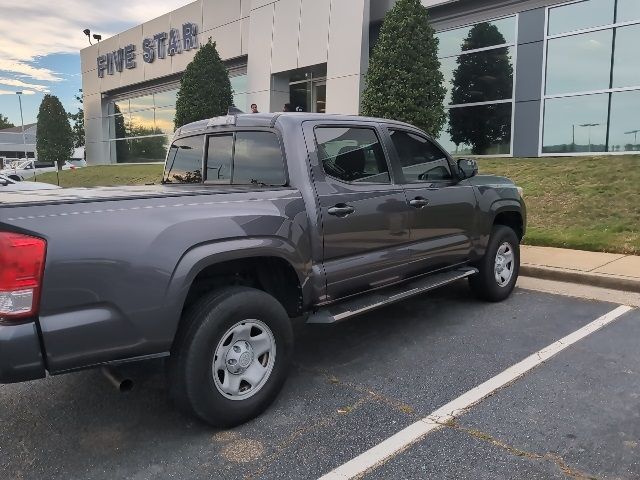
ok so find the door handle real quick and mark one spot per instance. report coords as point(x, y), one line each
point(419, 202)
point(341, 210)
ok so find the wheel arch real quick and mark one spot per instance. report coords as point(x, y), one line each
point(511, 218)
point(268, 264)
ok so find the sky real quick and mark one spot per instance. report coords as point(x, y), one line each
point(40, 49)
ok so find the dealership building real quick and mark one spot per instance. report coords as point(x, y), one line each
point(530, 77)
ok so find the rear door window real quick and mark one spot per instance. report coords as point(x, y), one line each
point(245, 158)
point(220, 158)
point(184, 161)
point(258, 159)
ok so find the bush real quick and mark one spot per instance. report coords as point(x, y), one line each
point(55, 138)
point(404, 81)
point(205, 89)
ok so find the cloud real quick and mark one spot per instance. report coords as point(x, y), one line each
point(37, 28)
point(12, 92)
point(11, 82)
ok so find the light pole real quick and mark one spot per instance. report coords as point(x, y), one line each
point(589, 125)
point(24, 138)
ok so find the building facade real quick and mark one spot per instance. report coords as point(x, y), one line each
point(524, 78)
point(14, 145)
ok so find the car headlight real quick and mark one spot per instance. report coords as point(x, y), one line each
point(520, 191)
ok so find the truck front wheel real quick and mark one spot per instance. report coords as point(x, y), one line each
point(231, 356)
point(499, 268)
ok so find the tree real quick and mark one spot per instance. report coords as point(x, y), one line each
point(78, 123)
point(404, 81)
point(55, 139)
point(481, 77)
point(205, 90)
point(5, 123)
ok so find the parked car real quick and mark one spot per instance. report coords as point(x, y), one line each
point(260, 219)
point(10, 185)
point(73, 163)
point(27, 169)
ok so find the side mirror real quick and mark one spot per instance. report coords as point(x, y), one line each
point(467, 167)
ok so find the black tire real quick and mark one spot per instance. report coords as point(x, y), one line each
point(190, 370)
point(484, 284)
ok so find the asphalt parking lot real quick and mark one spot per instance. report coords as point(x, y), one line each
point(355, 385)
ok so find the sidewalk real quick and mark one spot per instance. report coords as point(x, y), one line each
point(619, 272)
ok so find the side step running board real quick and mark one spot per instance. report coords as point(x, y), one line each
point(380, 298)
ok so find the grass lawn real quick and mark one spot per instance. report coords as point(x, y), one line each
point(106, 176)
point(587, 203)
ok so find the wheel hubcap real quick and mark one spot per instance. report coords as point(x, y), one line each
point(504, 264)
point(239, 357)
point(244, 359)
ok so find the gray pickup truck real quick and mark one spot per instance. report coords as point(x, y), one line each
point(260, 219)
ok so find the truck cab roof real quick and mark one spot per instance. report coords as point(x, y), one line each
point(269, 120)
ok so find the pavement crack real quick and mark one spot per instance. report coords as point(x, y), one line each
point(326, 421)
point(559, 462)
point(377, 396)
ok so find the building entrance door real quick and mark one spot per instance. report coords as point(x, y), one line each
point(319, 90)
point(309, 95)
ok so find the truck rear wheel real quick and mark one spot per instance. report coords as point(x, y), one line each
point(231, 356)
point(500, 266)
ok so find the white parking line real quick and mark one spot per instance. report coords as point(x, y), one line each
point(399, 442)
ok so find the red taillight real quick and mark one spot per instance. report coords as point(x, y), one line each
point(21, 268)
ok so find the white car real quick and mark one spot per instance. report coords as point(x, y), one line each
point(9, 185)
point(74, 163)
point(28, 169)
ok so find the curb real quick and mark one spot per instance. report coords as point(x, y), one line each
point(585, 278)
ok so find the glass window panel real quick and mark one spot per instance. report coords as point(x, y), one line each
point(421, 159)
point(258, 159)
point(241, 100)
point(118, 126)
point(309, 73)
point(140, 150)
point(447, 67)
point(144, 102)
point(352, 155)
point(577, 16)
point(150, 149)
point(575, 124)
point(219, 155)
point(479, 130)
point(479, 77)
point(119, 107)
point(164, 120)
point(142, 123)
point(624, 129)
point(579, 63)
point(628, 10)
point(184, 161)
point(626, 70)
point(239, 83)
point(481, 35)
point(164, 99)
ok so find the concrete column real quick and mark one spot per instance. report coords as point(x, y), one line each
point(526, 131)
point(348, 55)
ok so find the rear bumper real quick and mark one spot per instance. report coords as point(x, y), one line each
point(20, 353)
